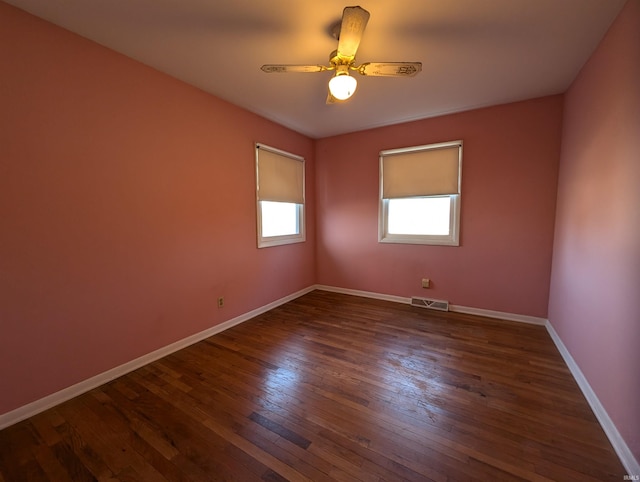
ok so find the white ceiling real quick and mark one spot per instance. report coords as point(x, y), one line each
point(474, 53)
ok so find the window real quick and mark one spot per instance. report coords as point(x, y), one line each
point(280, 197)
point(420, 194)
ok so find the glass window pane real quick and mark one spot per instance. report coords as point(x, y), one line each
point(279, 219)
point(424, 215)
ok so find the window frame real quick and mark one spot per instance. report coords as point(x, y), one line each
point(269, 241)
point(451, 239)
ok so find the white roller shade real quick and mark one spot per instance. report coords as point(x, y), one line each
point(415, 172)
point(280, 176)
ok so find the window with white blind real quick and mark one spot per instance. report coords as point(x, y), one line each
point(420, 194)
point(280, 197)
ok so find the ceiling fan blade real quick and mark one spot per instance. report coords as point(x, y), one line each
point(285, 69)
point(390, 69)
point(354, 21)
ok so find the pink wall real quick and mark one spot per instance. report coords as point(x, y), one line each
point(126, 208)
point(509, 179)
point(595, 280)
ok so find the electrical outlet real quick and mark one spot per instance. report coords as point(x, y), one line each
point(220, 302)
point(426, 282)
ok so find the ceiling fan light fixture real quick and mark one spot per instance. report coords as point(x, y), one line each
point(342, 85)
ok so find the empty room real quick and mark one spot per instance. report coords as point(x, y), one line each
point(319, 241)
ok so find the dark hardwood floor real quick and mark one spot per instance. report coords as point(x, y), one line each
point(330, 387)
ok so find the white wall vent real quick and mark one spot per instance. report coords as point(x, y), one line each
point(439, 305)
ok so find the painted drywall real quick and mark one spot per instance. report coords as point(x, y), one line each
point(595, 278)
point(509, 181)
point(127, 206)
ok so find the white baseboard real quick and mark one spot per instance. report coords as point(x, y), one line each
point(619, 445)
point(501, 315)
point(68, 393)
point(364, 294)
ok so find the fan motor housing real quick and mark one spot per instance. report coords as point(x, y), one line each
point(335, 59)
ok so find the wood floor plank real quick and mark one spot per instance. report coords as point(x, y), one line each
point(74, 453)
point(330, 387)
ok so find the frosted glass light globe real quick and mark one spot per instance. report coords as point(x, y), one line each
point(342, 86)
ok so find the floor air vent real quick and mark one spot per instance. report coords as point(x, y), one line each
point(439, 305)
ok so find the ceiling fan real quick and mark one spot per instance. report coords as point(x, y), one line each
point(342, 85)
